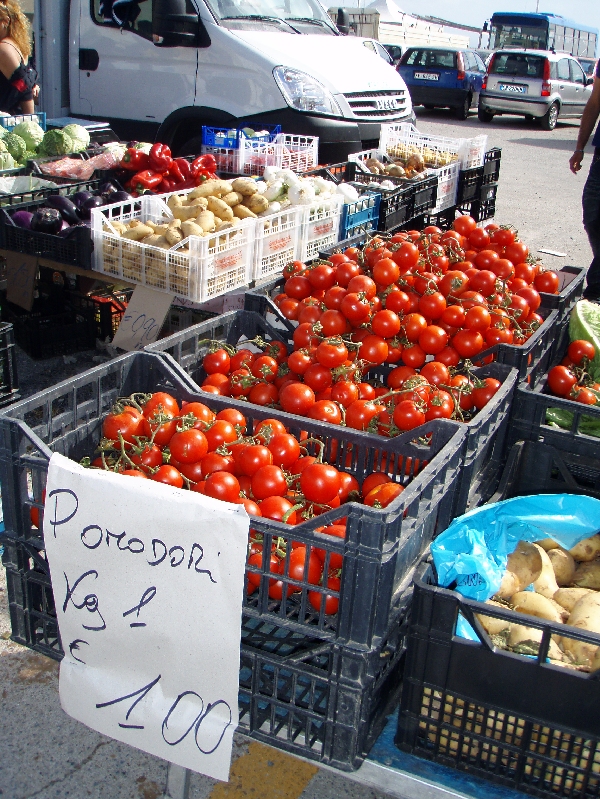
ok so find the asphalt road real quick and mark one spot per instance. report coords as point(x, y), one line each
point(46, 755)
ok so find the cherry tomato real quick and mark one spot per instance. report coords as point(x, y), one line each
point(127, 423)
point(252, 457)
point(285, 450)
point(268, 481)
point(217, 361)
point(547, 282)
point(580, 349)
point(407, 415)
point(296, 398)
point(320, 483)
point(383, 495)
point(189, 446)
point(483, 394)
point(561, 380)
point(168, 475)
point(223, 486)
point(328, 603)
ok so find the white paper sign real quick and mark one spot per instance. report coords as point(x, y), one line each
point(148, 583)
point(143, 319)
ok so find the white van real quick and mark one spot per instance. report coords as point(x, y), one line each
point(166, 67)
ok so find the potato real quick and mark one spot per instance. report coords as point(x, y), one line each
point(242, 212)
point(547, 544)
point(523, 566)
point(545, 584)
point(233, 198)
point(528, 639)
point(245, 186)
point(220, 208)
point(491, 625)
point(395, 170)
point(159, 229)
point(569, 597)
point(173, 234)
point(175, 200)
point(587, 575)
point(118, 226)
point(588, 549)
point(535, 605)
point(206, 220)
point(584, 616)
point(223, 224)
point(190, 228)
point(256, 203)
point(199, 202)
point(205, 189)
point(184, 212)
point(156, 241)
point(137, 232)
point(563, 565)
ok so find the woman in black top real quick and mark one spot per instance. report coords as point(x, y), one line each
point(17, 80)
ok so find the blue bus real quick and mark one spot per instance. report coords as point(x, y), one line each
point(542, 32)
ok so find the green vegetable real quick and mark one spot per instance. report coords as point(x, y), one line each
point(585, 324)
point(588, 425)
point(3, 131)
point(7, 161)
point(3, 147)
point(15, 145)
point(80, 137)
point(31, 133)
point(29, 155)
point(56, 142)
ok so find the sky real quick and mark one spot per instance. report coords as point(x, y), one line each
point(583, 11)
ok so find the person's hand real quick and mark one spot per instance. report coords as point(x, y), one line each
point(575, 161)
point(36, 91)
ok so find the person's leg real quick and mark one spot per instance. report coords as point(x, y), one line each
point(592, 288)
point(591, 204)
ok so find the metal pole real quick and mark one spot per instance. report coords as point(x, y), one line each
point(178, 782)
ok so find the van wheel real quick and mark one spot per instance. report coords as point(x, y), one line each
point(462, 112)
point(484, 115)
point(550, 118)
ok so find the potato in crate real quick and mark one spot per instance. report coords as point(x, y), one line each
point(403, 140)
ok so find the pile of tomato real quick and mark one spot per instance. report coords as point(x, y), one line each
point(428, 303)
point(570, 378)
point(271, 472)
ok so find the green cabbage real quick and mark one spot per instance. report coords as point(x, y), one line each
point(7, 161)
point(56, 142)
point(3, 131)
point(15, 145)
point(31, 133)
point(79, 135)
point(585, 324)
point(29, 156)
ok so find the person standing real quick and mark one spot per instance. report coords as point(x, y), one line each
point(591, 190)
point(17, 80)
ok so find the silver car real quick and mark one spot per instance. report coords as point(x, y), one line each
point(536, 84)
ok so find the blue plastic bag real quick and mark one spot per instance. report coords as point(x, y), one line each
point(473, 551)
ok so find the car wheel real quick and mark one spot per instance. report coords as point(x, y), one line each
point(462, 112)
point(484, 115)
point(550, 118)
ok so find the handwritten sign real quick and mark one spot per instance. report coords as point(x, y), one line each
point(143, 319)
point(148, 583)
point(21, 275)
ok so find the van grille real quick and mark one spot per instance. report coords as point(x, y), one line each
point(377, 105)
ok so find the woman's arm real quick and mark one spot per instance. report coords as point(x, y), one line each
point(9, 59)
point(27, 106)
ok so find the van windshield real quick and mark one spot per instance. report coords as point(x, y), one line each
point(293, 16)
point(519, 65)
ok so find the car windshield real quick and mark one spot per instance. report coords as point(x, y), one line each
point(293, 16)
point(430, 58)
point(518, 65)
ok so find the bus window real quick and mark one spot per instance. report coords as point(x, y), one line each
point(581, 46)
point(568, 46)
point(559, 38)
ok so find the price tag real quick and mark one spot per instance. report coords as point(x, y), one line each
point(21, 276)
point(143, 319)
point(148, 583)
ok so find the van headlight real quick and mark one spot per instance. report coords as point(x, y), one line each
point(304, 93)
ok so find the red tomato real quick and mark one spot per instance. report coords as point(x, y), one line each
point(268, 481)
point(561, 380)
point(278, 509)
point(547, 282)
point(383, 495)
point(189, 446)
point(223, 486)
point(432, 340)
point(483, 394)
point(408, 415)
point(285, 450)
point(327, 603)
point(296, 398)
point(581, 349)
point(252, 457)
point(217, 361)
point(320, 483)
point(125, 424)
point(169, 475)
point(162, 402)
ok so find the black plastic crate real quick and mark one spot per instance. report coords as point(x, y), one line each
point(396, 204)
point(322, 701)
point(491, 166)
point(9, 382)
point(109, 308)
point(470, 182)
point(47, 335)
point(515, 720)
point(64, 187)
point(483, 208)
point(381, 546)
point(570, 288)
point(425, 195)
point(344, 172)
point(76, 249)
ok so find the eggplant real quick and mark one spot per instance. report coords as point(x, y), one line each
point(120, 197)
point(80, 197)
point(68, 232)
point(65, 206)
point(22, 219)
point(107, 188)
point(47, 220)
point(85, 211)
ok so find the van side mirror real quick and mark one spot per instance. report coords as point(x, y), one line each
point(172, 26)
point(589, 79)
point(343, 21)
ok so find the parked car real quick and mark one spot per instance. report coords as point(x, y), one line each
point(443, 77)
point(536, 84)
point(588, 65)
point(395, 51)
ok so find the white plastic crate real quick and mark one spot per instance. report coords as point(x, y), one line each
point(364, 155)
point(402, 140)
point(298, 153)
point(278, 241)
point(447, 186)
point(320, 227)
point(197, 268)
point(227, 158)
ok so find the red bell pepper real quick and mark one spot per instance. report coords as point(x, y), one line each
point(180, 170)
point(202, 175)
point(206, 162)
point(160, 158)
point(166, 185)
point(146, 180)
point(135, 160)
